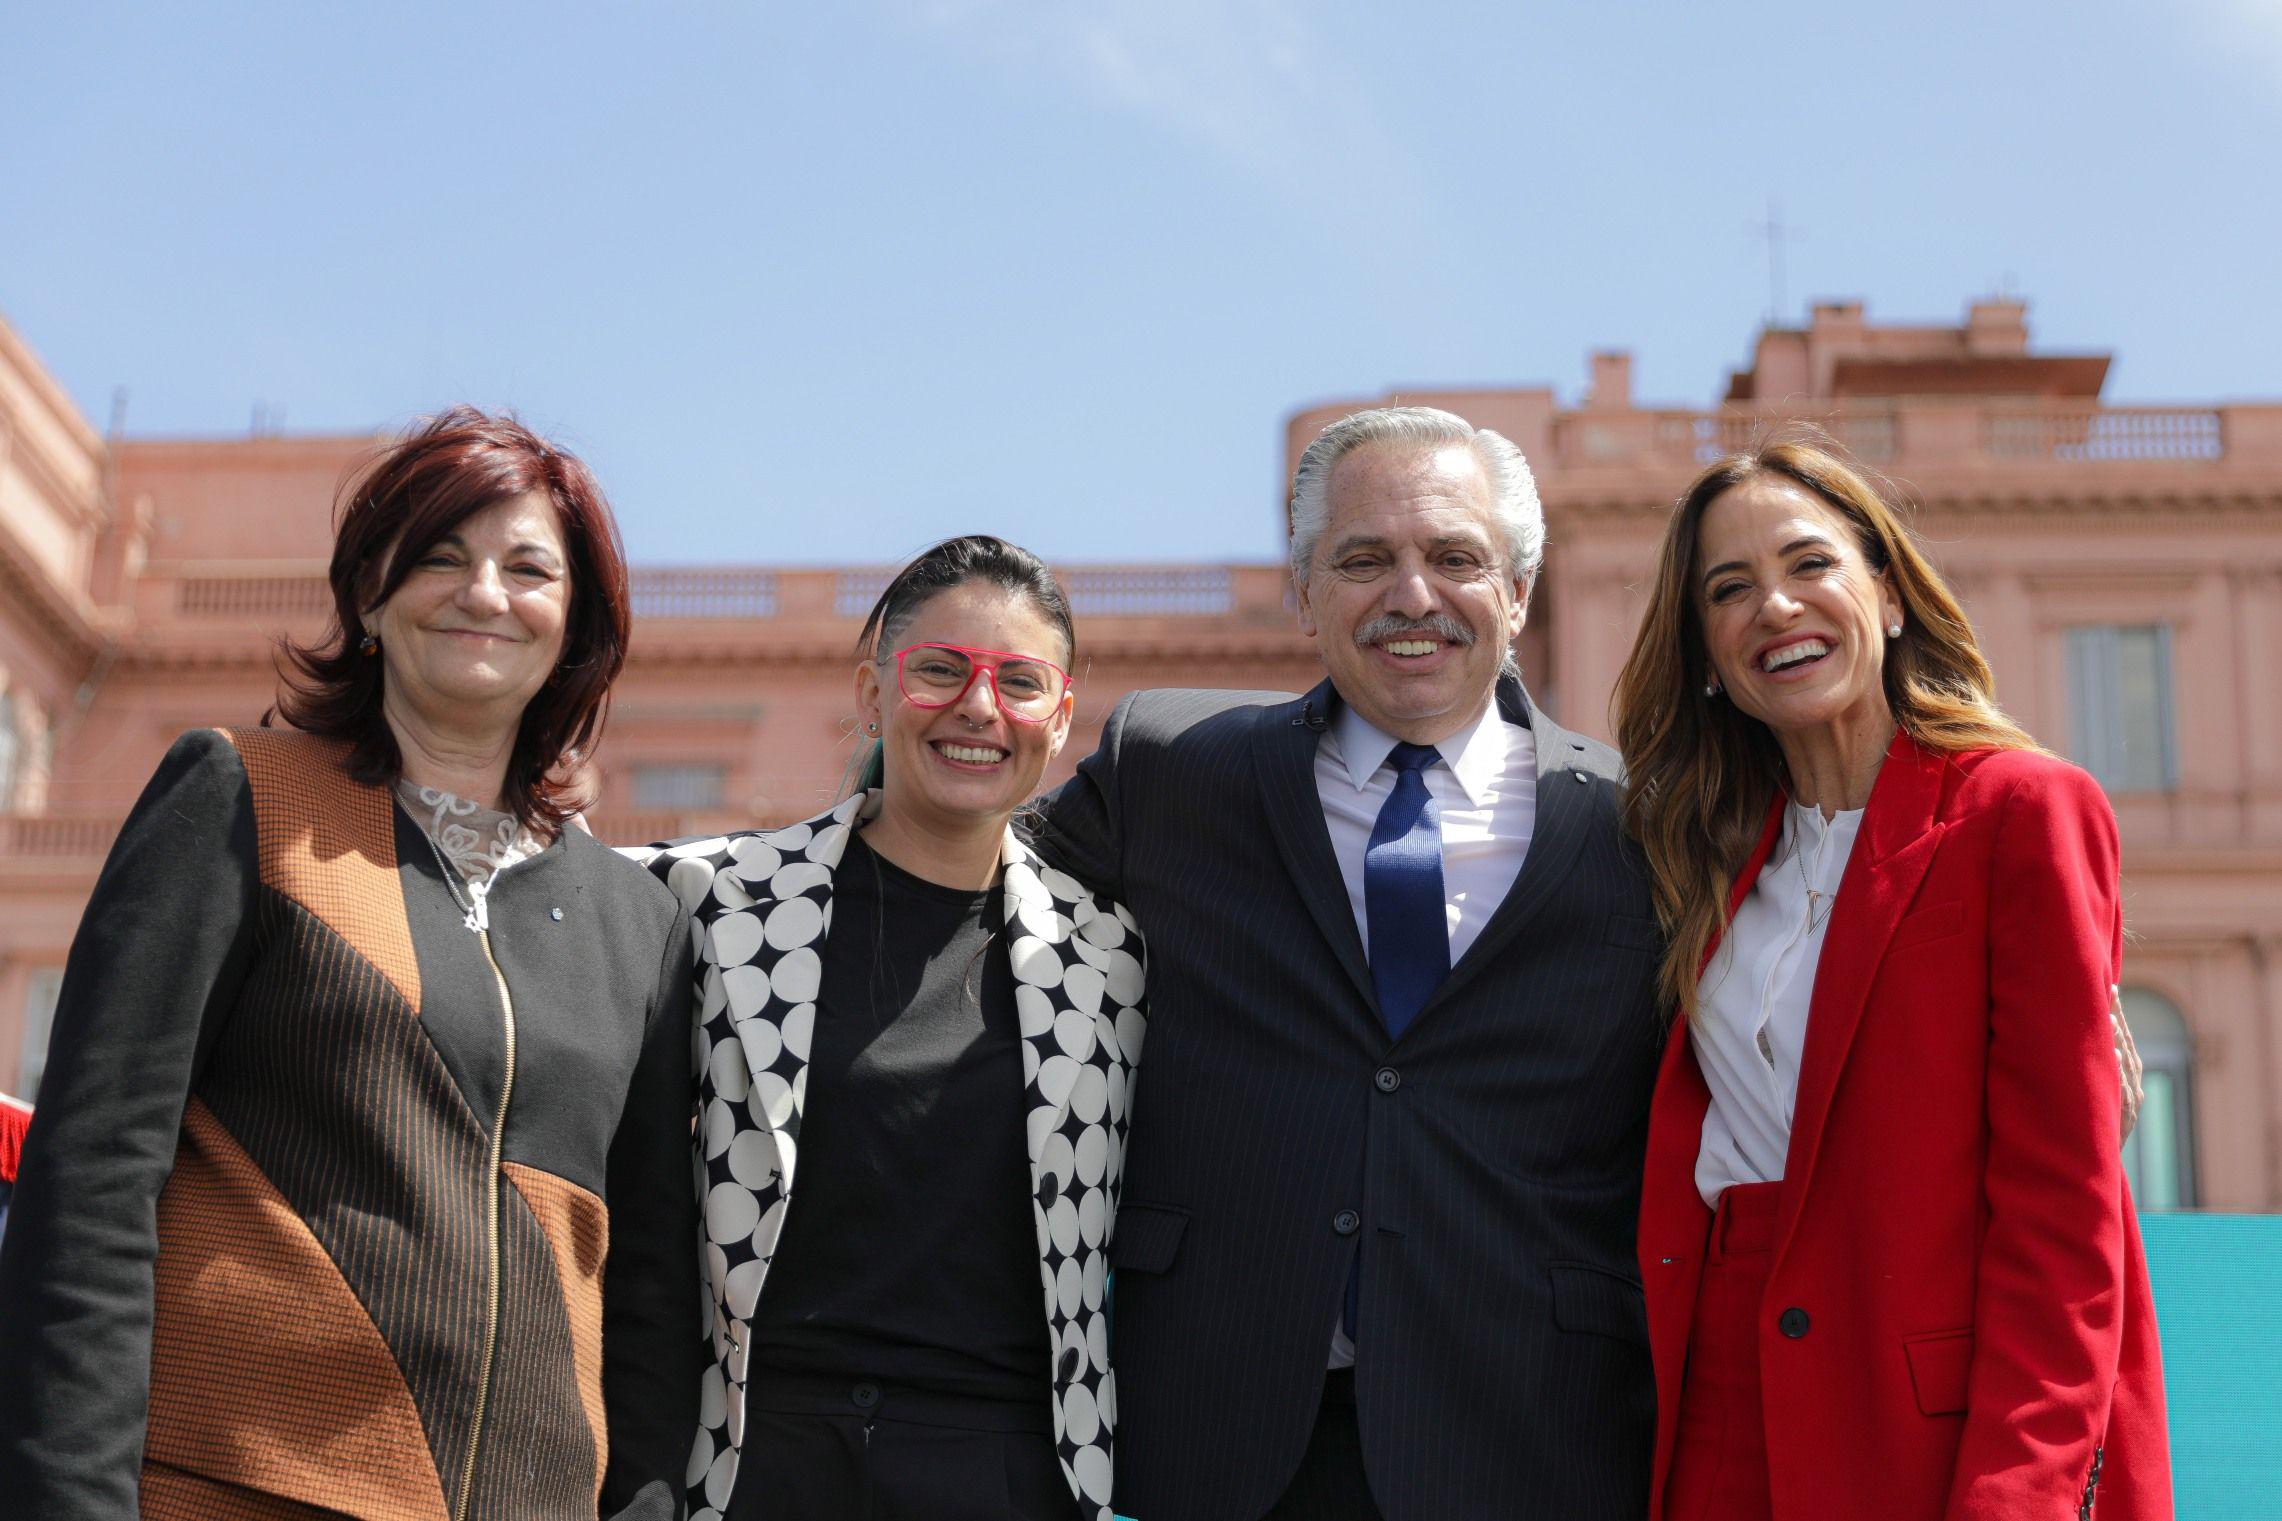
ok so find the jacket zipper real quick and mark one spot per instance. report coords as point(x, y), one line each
point(478, 919)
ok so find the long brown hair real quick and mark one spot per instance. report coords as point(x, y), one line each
point(438, 475)
point(1700, 775)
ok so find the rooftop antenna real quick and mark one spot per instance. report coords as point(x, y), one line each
point(1775, 232)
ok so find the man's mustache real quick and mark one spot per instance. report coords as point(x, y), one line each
point(1393, 626)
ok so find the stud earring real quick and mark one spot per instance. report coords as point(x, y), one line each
point(369, 645)
point(872, 728)
point(1893, 630)
point(1711, 689)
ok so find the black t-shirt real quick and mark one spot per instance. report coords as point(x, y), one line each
point(910, 1253)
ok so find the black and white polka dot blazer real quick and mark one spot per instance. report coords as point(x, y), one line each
point(759, 905)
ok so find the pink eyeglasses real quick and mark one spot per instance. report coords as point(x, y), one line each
point(1026, 688)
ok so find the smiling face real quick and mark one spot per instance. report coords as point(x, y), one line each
point(1410, 598)
point(1794, 616)
point(949, 768)
point(476, 626)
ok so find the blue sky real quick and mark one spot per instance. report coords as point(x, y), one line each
point(820, 283)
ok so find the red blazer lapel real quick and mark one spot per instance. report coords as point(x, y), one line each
point(1896, 845)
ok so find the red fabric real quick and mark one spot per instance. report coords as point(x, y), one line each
point(1954, 1222)
point(1719, 1458)
point(14, 1121)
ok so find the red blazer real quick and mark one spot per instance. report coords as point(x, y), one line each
point(1978, 1341)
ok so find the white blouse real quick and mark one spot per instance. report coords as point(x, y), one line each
point(1751, 1021)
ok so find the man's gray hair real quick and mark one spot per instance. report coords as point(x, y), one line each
point(1513, 490)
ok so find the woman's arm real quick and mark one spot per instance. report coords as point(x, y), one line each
point(652, 1315)
point(153, 970)
point(2049, 1289)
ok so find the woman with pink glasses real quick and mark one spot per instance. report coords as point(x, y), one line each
point(927, 1037)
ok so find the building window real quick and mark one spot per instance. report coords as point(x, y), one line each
point(2159, 1154)
point(39, 1019)
point(2119, 705)
point(677, 788)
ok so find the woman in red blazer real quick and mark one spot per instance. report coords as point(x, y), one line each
point(1891, 1264)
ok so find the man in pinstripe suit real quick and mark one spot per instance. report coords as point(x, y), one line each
point(1375, 1252)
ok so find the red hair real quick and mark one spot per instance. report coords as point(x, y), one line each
point(437, 476)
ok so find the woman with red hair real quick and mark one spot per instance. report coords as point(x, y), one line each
point(366, 1063)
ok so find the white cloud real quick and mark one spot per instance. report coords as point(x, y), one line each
point(2252, 26)
point(1250, 82)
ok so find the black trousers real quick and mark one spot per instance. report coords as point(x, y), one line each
point(1331, 1484)
point(817, 1450)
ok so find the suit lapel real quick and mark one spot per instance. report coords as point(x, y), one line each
point(1565, 818)
point(1283, 753)
point(1896, 845)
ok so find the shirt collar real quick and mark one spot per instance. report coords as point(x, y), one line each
point(1476, 754)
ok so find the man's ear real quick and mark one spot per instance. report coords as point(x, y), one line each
point(1522, 587)
point(1305, 611)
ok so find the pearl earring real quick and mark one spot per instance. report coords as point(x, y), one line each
point(1893, 630)
point(1711, 689)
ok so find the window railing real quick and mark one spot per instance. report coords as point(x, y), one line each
point(253, 597)
point(58, 837)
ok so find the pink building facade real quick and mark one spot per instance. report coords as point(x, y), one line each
point(2123, 566)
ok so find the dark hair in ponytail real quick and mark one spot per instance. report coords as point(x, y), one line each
point(964, 561)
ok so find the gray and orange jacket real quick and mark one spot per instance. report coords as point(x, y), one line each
point(332, 1206)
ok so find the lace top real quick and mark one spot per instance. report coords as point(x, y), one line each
point(478, 842)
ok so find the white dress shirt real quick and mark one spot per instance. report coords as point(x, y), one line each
point(1752, 1001)
point(1486, 788)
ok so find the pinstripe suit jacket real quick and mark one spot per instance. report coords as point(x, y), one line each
point(1490, 1157)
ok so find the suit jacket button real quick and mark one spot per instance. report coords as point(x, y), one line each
point(864, 1396)
point(1793, 1322)
point(1346, 1222)
point(1388, 1079)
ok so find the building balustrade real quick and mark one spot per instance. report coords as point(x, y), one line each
point(1921, 431)
point(729, 592)
point(742, 592)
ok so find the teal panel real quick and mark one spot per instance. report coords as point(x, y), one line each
point(2218, 1299)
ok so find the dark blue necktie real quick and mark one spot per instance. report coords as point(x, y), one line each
point(1405, 909)
point(1403, 901)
